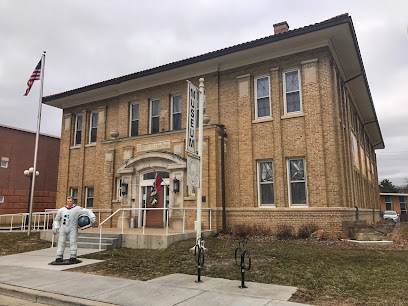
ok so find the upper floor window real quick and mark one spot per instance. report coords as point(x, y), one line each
point(74, 195)
point(93, 127)
point(262, 97)
point(89, 197)
point(403, 204)
point(134, 119)
point(266, 188)
point(354, 146)
point(297, 181)
point(176, 112)
point(4, 163)
point(78, 130)
point(154, 116)
point(363, 162)
point(1, 199)
point(369, 173)
point(118, 188)
point(388, 202)
point(292, 96)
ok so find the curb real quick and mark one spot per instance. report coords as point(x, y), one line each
point(46, 297)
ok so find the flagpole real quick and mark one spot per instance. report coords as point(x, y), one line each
point(36, 143)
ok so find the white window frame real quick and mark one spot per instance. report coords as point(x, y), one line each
point(151, 115)
point(284, 91)
point(86, 196)
point(259, 183)
point(256, 96)
point(118, 188)
point(289, 182)
point(392, 202)
point(76, 130)
point(1, 198)
point(4, 164)
point(90, 126)
point(172, 110)
point(71, 194)
point(131, 118)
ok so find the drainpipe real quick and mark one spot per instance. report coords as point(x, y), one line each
point(356, 212)
point(224, 217)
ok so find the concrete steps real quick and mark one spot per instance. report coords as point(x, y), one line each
point(91, 241)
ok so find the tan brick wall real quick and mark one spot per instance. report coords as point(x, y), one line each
point(321, 135)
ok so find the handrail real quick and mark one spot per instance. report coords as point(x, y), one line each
point(145, 209)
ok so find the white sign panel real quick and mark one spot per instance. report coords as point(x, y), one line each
point(192, 99)
point(193, 171)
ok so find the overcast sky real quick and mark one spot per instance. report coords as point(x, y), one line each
point(91, 41)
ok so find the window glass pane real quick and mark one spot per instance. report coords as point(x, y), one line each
point(388, 206)
point(94, 120)
point(152, 175)
point(4, 164)
point(155, 125)
point(267, 196)
point(93, 134)
point(135, 112)
point(292, 81)
point(134, 128)
point(263, 107)
point(74, 195)
point(298, 193)
point(176, 104)
point(402, 199)
point(79, 123)
point(293, 102)
point(266, 172)
point(155, 108)
point(78, 138)
point(262, 88)
point(177, 121)
point(387, 198)
point(297, 170)
point(90, 192)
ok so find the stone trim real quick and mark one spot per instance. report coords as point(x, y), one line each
point(287, 116)
point(309, 61)
point(259, 120)
point(243, 76)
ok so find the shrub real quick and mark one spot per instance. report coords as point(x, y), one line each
point(285, 231)
point(243, 230)
point(306, 230)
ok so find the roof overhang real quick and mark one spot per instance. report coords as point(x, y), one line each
point(337, 34)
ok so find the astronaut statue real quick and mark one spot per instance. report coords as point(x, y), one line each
point(71, 217)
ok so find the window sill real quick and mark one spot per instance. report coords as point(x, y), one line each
point(267, 206)
point(116, 201)
point(299, 206)
point(294, 115)
point(190, 198)
point(90, 145)
point(259, 120)
point(75, 147)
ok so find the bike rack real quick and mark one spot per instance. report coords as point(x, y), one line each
point(199, 258)
point(244, 255)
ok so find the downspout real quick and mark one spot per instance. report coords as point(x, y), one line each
point(224, 216)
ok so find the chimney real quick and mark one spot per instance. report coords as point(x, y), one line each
point(280, 27)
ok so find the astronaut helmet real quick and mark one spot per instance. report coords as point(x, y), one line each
point(84, 222)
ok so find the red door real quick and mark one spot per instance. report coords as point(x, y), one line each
point(154, 218)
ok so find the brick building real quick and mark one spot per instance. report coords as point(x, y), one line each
point(395, 201)
point(17, 155)
point(293, 110)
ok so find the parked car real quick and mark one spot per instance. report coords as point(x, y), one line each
point(391, 214)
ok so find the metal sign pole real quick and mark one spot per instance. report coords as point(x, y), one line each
point(200, 154)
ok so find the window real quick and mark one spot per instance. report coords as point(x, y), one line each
point(369, 174)
point(134, 119)
point(363, 162)
point(152, 175)
point(93, 127)
point(1, 199)
point(266, 193)
point(155, 116)
point(354, 147)
point(89, 197)
point(4, 163)
point(388, 202)
point(78, 130)
point(74, 195)
point(176, 112)
point(262, 97)
point(403, 204)
point(297, 181)
point(118, 188)
point(292, 96)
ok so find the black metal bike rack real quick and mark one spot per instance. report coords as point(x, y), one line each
point(199, 258)
point(245, 260)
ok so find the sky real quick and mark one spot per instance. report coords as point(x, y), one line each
point(95, 40)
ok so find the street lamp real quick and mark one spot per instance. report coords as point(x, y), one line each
point(29, 173)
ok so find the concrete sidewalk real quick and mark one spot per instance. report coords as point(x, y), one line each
point(30, 277)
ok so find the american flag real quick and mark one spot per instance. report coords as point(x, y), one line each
point(34, 76)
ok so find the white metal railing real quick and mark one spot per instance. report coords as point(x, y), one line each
point(144, 210)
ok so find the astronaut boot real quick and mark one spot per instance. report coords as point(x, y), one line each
point(73, 260)
point(59, 259)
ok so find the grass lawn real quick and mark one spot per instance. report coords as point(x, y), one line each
point(325, 275)
point(13, 243)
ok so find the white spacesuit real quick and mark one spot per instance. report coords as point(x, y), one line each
point(66, 224)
